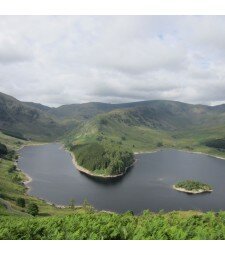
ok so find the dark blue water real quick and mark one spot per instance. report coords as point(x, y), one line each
point(147, 185)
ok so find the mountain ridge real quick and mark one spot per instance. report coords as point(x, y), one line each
point(91, 119)
point(15, 116)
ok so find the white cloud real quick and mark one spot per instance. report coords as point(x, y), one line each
point(58, 60)
point(12, 51)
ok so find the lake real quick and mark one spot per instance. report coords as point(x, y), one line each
point(147, 185)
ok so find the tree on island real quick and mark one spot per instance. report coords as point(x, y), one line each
point(193, 186)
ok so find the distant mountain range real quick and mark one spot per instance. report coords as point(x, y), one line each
point(138, 123)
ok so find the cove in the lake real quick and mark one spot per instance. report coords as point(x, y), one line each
point(147, 185)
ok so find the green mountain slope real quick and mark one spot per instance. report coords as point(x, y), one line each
point(18, 117)
point(169, 115)
point(38, 106)
point(142, 125)
point(156, 114)
point(155, 125)
point(80, 111)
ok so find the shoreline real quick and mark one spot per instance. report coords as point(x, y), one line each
point(200, 191)
point(203, 153)
point(28, 178)
point(146, 152)
point(182, 150)
point(87, 172)
point(31, 144)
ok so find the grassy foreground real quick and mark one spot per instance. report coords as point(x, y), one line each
point(100, 225)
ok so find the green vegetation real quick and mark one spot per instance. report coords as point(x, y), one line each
point(21, 202)
point(156, 125)
point(11, 143)
point(101, 225)
point(129, 137)
point(14, 134)
point(22, 121)
point(13, 190)
point(72, 203)
point(32, 209)
point(102, 137)
point(103, 158)
point(3, 150)
point(191, 185)
point(138, 126)
point(216, 143)
point(7, 154)
point(84, 222)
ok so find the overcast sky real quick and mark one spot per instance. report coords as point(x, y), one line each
point(57, 60)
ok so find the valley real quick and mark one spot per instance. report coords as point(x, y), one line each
point(105, 139)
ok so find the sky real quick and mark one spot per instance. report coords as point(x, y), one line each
point(57, 60)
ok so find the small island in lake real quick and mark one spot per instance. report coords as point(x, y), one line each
point(193, 187)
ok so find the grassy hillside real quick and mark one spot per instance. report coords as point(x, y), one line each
point(163, 125)
point(110, 128)
point(157, 113)
point(143, 125)
point(30, 122)
point(38, 106)
point(12, 186)
point(12, 142)
point(80, 112)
